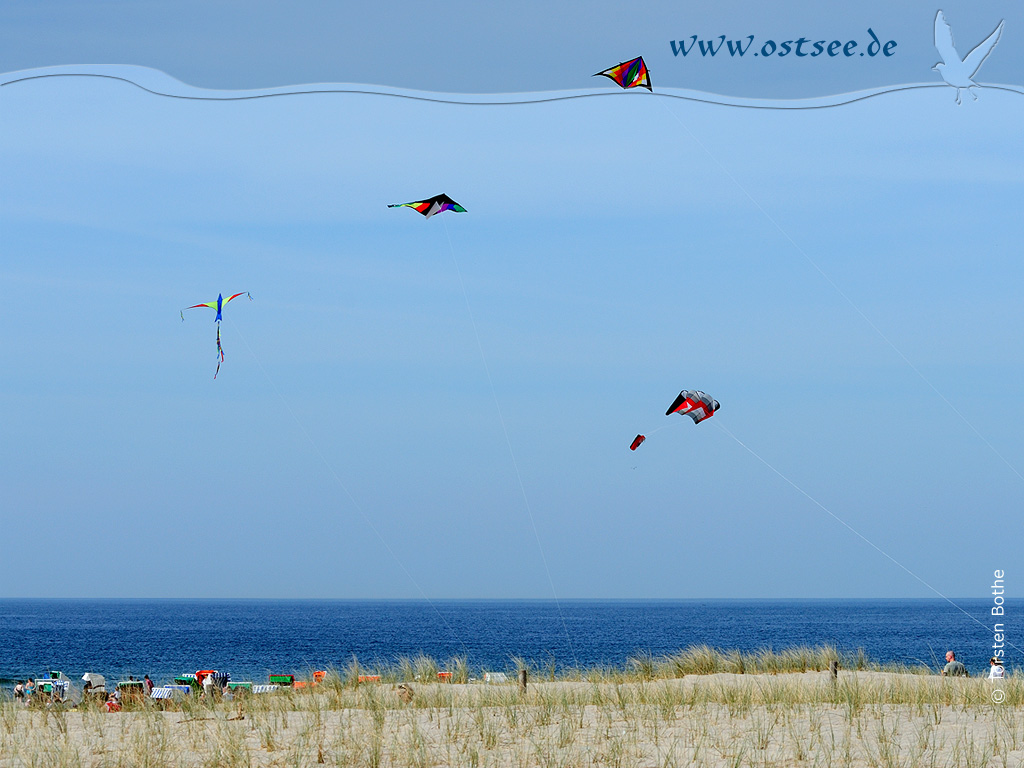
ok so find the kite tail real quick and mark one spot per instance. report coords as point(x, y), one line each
point(220, 353)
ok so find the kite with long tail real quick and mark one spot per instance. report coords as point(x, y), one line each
point(219, 306)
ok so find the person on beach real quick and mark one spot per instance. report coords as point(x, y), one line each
point(30, 689)
point(996, 672)
point(113, 705)
point(149, 685)
point(953, 667)
point(208, 687)
point(19, 693)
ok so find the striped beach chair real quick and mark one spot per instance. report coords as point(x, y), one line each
point(220, 679)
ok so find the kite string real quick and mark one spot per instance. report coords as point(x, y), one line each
point(508, 443)
point(850, 528)
point(880, 334)
point(348, 493)
point(842, 293)
point(656, 430)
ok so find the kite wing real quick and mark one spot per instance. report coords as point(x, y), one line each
point(433, 205)
point(695, 404)
point(630, 74)
point(210, 304)
point(218, 304)
point(636, 442)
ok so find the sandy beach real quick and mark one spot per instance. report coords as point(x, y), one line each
point(862, 719)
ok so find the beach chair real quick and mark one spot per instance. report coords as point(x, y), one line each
point(97, 686)
point(317, 677)
point(220, 679)
point(99, 683)
point(170, 692)
point(188, 680)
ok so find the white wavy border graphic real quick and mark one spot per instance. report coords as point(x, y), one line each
point(159, 83)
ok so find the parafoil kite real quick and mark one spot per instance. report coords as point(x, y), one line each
point(429, 207)
point(695, 404)
point(219, 306)
point(630, 74)
point(689, 402)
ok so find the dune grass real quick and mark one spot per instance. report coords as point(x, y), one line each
point(700, 707)
point(694, 660)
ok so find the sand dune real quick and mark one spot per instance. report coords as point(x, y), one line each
point(863, 719)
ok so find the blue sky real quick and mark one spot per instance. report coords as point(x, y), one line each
point(615, 250)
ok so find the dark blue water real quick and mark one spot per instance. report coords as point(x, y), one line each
point(251, 638)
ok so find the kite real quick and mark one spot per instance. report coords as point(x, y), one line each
point(689, 402)
point(432, 205)
point(219, 306)
point(630, 74)
point(694, 404)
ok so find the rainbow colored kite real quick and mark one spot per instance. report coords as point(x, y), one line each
point(630, 74)
point(219, 306)
point(431, 206)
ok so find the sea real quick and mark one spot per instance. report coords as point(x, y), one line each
point(251, 639)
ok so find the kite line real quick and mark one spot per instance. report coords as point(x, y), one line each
point(508, 443)
point(347, 492)
point(853, 530)
point(843, 294)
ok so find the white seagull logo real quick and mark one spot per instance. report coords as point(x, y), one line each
point(958, 72)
